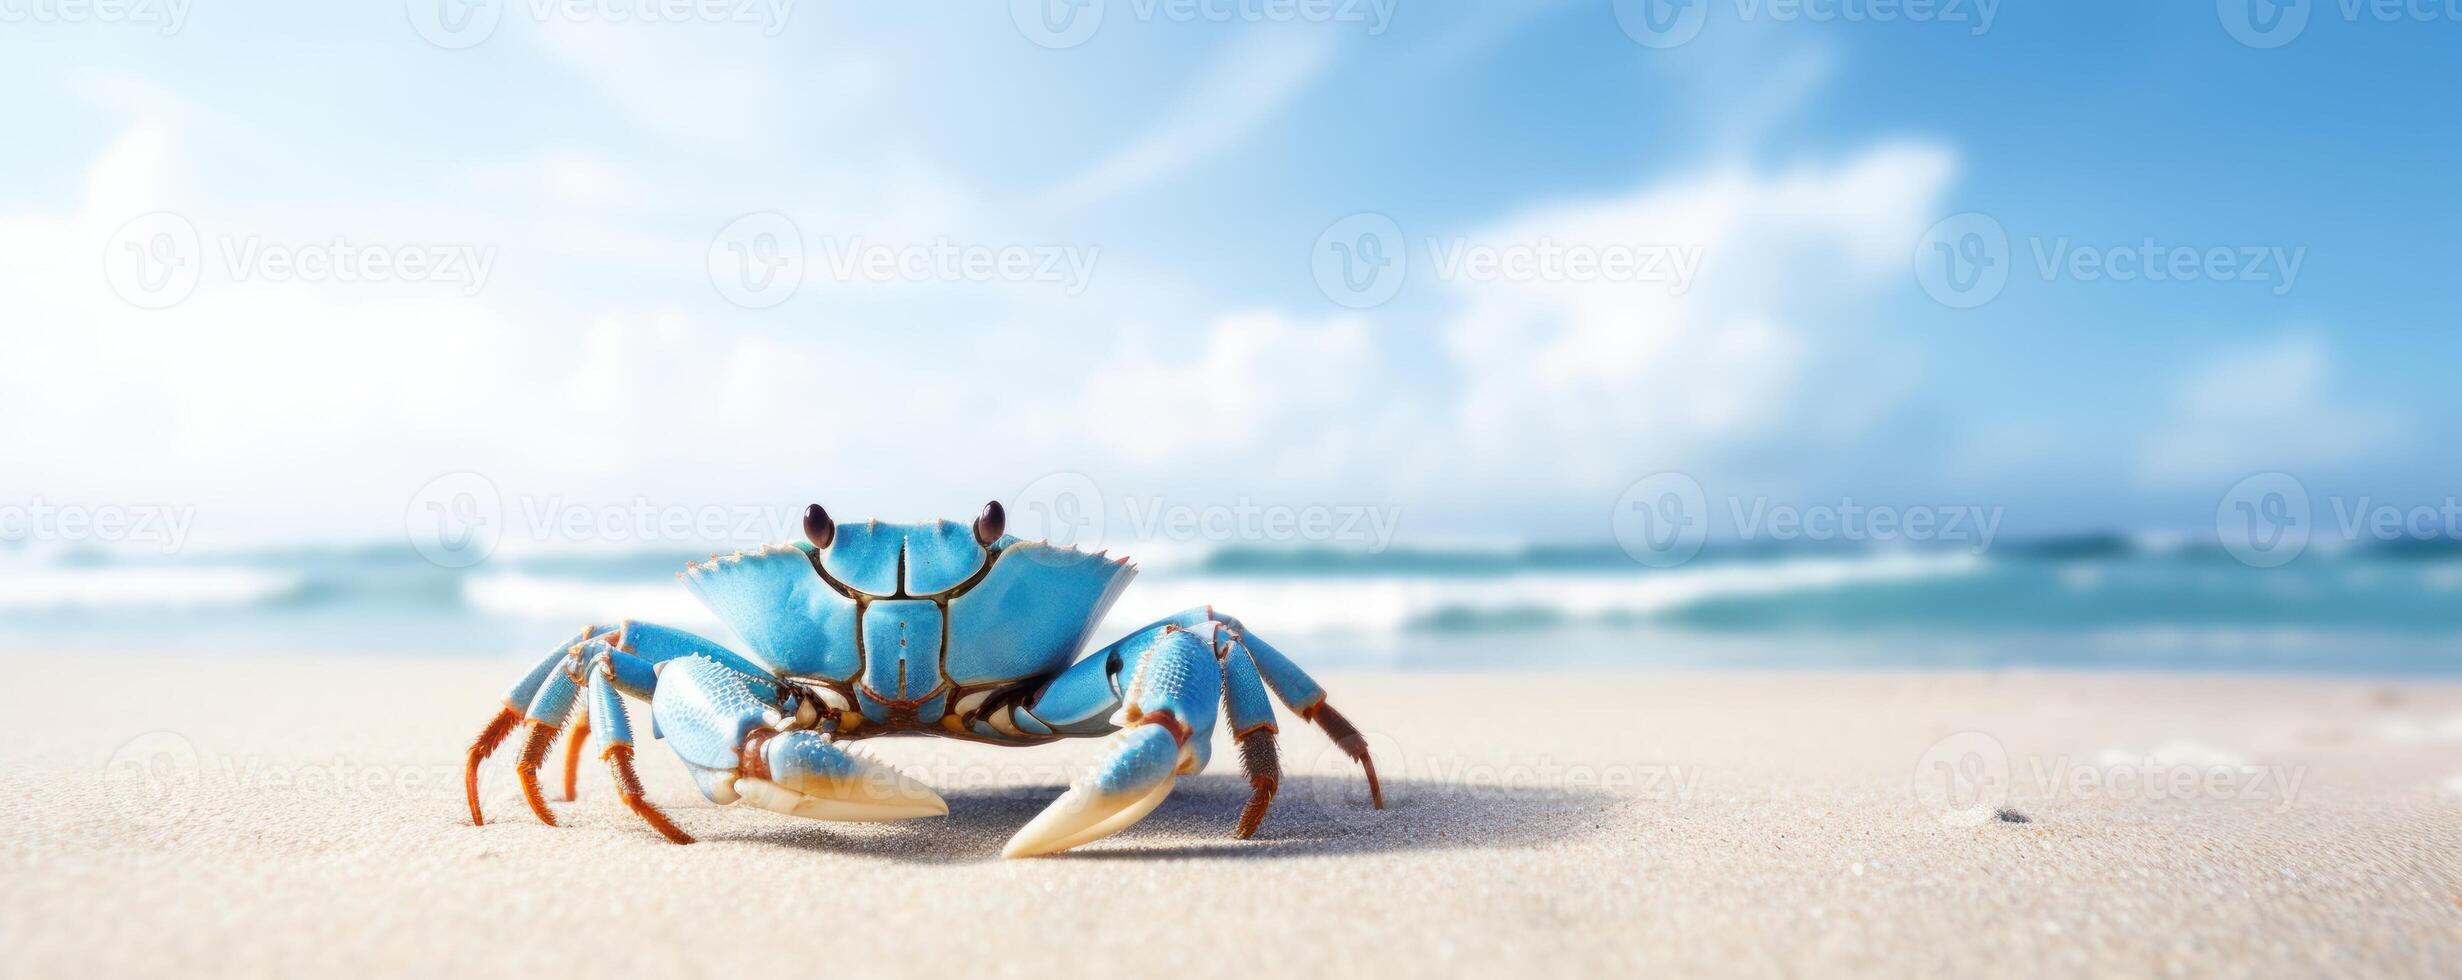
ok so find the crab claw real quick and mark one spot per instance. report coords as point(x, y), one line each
point(804, 774)
point(1137, 771)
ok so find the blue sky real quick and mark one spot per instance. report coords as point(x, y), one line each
point(1194, 164)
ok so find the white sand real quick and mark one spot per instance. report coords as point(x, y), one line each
point(306, 817)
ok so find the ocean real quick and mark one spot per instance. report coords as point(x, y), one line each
point(2095, 602)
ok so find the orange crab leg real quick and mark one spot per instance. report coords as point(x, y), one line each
point(482, 747)
point(1353, 744)
point(628, 787)
point(1263, 765)
point(572, 754)
point(542, 737)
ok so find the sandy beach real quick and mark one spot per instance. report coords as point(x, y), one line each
point(304, 816)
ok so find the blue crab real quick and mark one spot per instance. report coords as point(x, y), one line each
point(940, 628)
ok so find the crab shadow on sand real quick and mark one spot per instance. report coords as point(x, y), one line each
point(1312, 815)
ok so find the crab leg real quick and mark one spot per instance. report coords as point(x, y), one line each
point(572, 754)
point(1301, 693)
point(515, 700)
point(543, 698)
point(548, 711)
point(616, 733)
point(1251, 717)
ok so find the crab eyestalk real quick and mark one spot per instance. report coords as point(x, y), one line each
point(818, 528)
point(989, 526)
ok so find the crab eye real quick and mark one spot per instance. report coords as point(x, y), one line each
point(818, 528)
point(989, 526)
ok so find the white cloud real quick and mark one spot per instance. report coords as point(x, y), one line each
point(1284, 396)
point(2268, 406)
point(289, 410)
point(1587, 381)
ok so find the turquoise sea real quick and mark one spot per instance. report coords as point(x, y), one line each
point(2101, 602)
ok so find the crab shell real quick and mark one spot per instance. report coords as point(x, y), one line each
point(905, 619)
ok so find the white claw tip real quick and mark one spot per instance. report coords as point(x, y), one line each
point(1083, 816)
